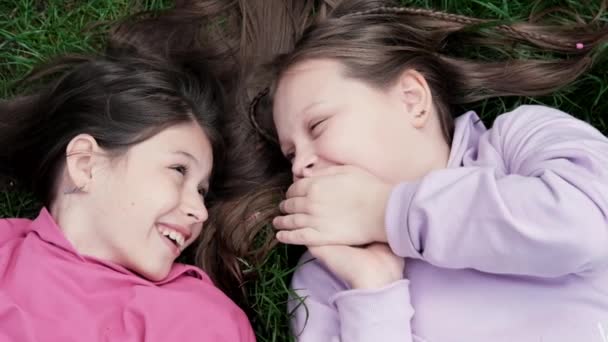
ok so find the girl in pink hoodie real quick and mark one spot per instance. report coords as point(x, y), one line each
point(121, 153)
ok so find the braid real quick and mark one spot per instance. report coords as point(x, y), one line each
point(467, 21)
point(460, 19)
point(253, 113)
point(531, 37)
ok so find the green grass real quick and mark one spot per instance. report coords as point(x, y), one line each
point(32, 31)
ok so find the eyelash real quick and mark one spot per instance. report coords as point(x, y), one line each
point(316, 124)
point(183, 170)
point(291, 156)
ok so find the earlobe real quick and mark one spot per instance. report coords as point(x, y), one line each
point(420, 119)
point(415, 96)
point(80, 159)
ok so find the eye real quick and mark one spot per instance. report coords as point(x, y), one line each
point(290, 157)
point(203, 192)
point(313, 128)
point(183, 169)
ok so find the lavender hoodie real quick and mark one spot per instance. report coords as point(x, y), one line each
point(508, 243)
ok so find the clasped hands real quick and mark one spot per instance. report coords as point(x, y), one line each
point(338, 213)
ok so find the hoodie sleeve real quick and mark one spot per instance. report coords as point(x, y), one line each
point(324, 309)
point(530, 199)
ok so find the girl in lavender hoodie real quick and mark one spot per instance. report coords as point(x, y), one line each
point(425, 228)
point(121, 152)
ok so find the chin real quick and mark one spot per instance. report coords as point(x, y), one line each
point(156, 274)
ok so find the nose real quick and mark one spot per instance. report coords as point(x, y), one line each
point(194, 207)
point(302, 161)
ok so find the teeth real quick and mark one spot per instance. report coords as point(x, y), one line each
point(173, 235)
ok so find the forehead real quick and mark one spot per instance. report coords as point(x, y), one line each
point(188, 137)
point(300, 76)
point(304, 84)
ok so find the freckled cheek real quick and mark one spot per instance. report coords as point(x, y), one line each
point(163, 195)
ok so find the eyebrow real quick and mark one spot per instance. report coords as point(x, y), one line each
point(312, 105)
point(187, 155)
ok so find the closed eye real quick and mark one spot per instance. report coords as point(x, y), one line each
point(316, 124)
point(313, 128)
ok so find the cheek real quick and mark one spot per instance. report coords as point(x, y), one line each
point(342, 144)
point(150, 195)
point(333, 147)
point(373, 145)
point(197, 232)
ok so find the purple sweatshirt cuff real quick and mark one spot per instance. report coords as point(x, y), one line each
point(381, 314)
point(398, 232)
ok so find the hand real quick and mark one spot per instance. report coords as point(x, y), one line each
point(340, 205)
point(369, 267)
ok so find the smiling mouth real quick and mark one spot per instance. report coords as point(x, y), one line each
point(175, 237)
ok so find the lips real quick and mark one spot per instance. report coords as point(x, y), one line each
point(173, 247)
point(177, 228)
point(176, 236)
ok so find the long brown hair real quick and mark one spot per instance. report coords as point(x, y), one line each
point(375, 40)
point(248, 189)
point(257, 41)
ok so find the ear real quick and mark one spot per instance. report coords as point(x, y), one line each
point(82, 153)
point(415, 96)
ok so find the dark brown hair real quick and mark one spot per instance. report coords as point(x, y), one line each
point(120, 99)
point(248, 188)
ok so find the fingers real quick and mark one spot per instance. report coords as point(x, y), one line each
point(291, 222)
point(296, 205)
point(304, 236)
point(299, 188)
point(302, 187)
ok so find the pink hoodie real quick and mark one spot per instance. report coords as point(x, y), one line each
point(48, 292)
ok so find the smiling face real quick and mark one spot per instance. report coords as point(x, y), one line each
point(148, 205)
point(324, 118)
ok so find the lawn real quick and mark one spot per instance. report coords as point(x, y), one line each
point(32, 31)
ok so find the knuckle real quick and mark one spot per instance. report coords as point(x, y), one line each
point(314, 189)
point(299, 220)
point(313, 207)
point(288, 205)
point(300, 235)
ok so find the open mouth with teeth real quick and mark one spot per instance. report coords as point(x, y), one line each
point(174, 236)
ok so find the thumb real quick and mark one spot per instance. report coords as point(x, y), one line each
point(330, 255)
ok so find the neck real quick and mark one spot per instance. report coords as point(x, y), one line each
point(440, 148)
point(70, 214)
